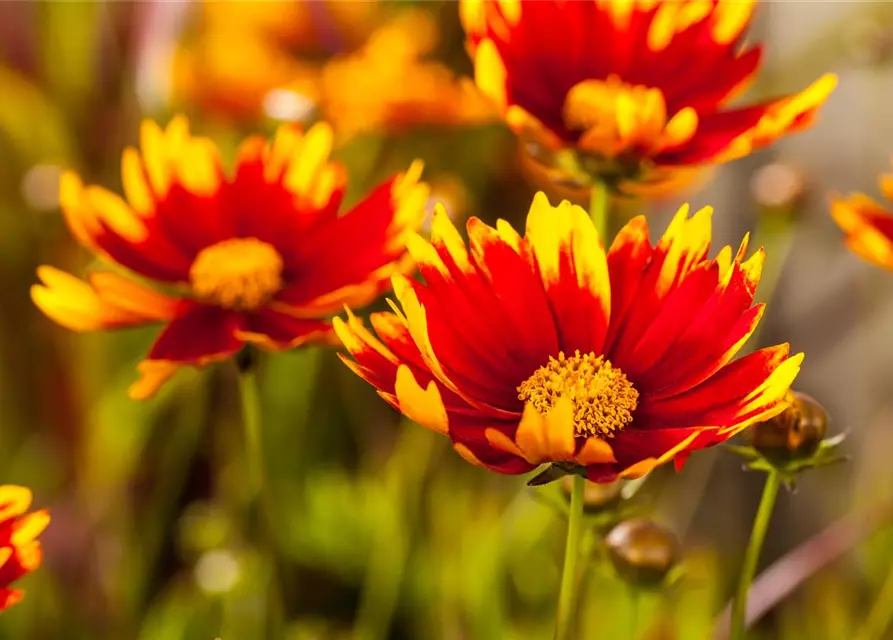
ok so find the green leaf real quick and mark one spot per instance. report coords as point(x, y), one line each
point(23, 105)
point(69, 47)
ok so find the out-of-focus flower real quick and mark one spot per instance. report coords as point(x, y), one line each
point(258, 257)
point(867, 225)
point(375, 80)
point(546, 349)
point(633, 93)
point(242, 50)
point(20, 551)
point(389, 85)
point(778, 186)
point(309, 29)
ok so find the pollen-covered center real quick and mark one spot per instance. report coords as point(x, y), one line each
point(602, 397)
point(241, 273)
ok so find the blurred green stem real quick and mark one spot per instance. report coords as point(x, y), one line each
point(752, 556)
point(774, 232)
point(566, 597)
point(259, 501)
point(881, 614)
point(251, 421)
point(598, 209)
point(391, 543)
point(634, 604)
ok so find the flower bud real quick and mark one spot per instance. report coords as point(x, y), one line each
point(642, 551)
point(597, 497)
point(794, 433)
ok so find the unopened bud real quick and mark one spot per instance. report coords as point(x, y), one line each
point(642, 551)
point(794, 433)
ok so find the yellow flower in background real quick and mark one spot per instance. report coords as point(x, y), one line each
point(310, 29)
point(357, 67)
point(867, 225)
point(635, 90)
point(261, 256)
point(20, 551)
point(548, 348)
point(389, 85)
point(243, 50)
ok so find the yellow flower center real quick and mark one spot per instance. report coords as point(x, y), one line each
point(615, 117)
point(603, 398)
point(242, 273)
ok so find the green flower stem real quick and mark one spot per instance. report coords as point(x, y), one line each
point(598, 209)
point(250, 397)
point(775, 233)
point(392, 541)
point(567, 595)
point(635, 601)
point(881, 614)
point(752, 556)
point(259, 505)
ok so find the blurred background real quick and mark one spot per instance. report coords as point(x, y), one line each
point(378, 525)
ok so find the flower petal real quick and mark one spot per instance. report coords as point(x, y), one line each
point(683, 246)
point(423, 406)
point(110, 301)
point(548, 438)
point(868, 228)
point(727, 398)
point(274, 330)
point(363, 246)
point(571, 261)
point(198, 333)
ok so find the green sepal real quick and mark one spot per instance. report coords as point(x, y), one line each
point(788, 466)
point(556, 471)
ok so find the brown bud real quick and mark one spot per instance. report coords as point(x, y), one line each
point(642, 551)
point(794, 433)
point(597, 496)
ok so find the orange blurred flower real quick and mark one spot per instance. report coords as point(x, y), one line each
point(377, 79)
point(257, 257)
point(389, 85)
point(243, 50)
point(545, 348)
point(638, 89)
point(867, 225)
point(20, 552)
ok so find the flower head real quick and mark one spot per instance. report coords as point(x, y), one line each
point(20, 552)
point(241, 51)
point(638, 89)
point(547, 349)
point(390, 84)
point(259, 257)
point(867, 225)
point(351, 62)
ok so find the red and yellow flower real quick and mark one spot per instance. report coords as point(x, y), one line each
point(546, 348)
point(259, 257)
point(639, 89)
point(20, 551)
point(867, 225)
